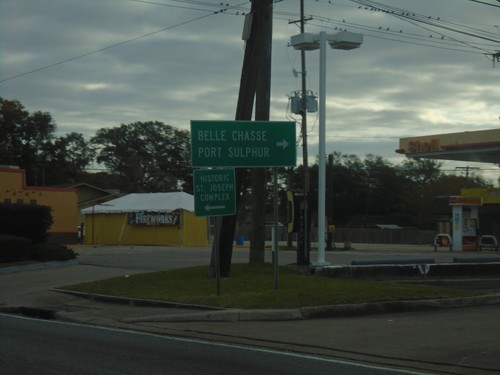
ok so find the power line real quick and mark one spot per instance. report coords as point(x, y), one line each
point(110, 46)
point(438, 41)
point(220, 7)
point(417, 19)
point(485, 3)
point(395, 36)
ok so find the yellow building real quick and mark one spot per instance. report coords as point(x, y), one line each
point(63, 201)
point(145, 219)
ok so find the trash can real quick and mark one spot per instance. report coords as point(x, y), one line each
point(240, 240)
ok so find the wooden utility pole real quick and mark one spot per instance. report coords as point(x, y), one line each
point(253, 80)
point(303, 240)
point(262, 107)
point(303, 253)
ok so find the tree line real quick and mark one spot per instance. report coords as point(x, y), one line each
point(361, 190)
point(155, 157)
point(137, 157)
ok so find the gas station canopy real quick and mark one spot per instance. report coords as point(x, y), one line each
point(476, 146)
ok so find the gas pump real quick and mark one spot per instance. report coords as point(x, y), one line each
point(465, 222)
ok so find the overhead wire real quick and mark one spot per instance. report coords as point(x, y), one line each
point(220, 7)
point(419, 20)
point(397, 36)
point(406, 38)
point(217, 8)
point(112, 45)
point(485, 3)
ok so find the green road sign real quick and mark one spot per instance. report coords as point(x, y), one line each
point(243, 144)
point(214, 192)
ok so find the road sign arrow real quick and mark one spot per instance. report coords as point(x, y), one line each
point(208, 207)
point(284, 144)
point(222, 181)
point(242, 144)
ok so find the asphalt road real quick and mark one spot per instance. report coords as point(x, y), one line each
point(459, 340)
point(32, 346)
point(164, 257)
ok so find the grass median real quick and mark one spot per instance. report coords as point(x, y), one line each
point(252, 287)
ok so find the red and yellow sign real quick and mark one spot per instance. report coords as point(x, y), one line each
point(473, 141)
point(489, 196)
point(465, 201)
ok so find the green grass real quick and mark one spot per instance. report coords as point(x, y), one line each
point(252, 287)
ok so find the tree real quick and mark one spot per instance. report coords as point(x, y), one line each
point(26, 137)
point(385, 188)
point(148, 156)
point(68, 157)
point(359, 188)
point(346, 175)
point(420, 187)
point(421, 170)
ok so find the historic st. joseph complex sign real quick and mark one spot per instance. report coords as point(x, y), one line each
point(214, 192)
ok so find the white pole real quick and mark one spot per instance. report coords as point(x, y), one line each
point(275, 231)
point(321, 165)
point(458, 222)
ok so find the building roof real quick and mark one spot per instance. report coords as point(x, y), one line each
point(153, 202)
point(478, 146)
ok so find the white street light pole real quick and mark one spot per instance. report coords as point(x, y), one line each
point(321, 162)
point(308, 42)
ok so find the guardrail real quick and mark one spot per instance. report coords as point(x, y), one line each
point(489, 241)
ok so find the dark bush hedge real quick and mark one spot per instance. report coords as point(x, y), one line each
point(14, 248)
point(26, 220)
point(51, 251)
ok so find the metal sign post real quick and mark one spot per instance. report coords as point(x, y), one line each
point(237, 144)
point(215, 195)
point(275, 237)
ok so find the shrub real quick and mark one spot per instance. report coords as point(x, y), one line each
point(14, 248)
point(25, 220)
point(51, 251)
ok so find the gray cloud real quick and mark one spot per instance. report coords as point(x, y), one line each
point(391, 87)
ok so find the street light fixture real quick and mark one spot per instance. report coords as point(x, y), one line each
point(307, 41)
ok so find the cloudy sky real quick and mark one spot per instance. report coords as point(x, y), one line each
point(426, 68)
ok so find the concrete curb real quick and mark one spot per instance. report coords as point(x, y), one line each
point(232, 315)
point(396, 306)
point(210, 314)
point(135, 301)
point(237, 315)
point(316, 312)
point(39, 266)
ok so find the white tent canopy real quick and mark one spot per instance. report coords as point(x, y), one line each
point(152, 202)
